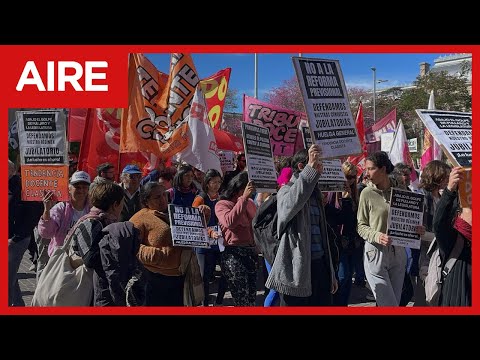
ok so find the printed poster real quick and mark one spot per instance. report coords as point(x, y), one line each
point(326, 102)
point(258, 153)
point(332, 178)
point(406, 213)
point(188, 226)
point(453, 131)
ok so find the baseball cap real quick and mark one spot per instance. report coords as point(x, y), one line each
point(131, 169)
point(80, 176)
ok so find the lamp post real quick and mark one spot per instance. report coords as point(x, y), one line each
point(256, 77)
point(375, 82)
point(374, 91)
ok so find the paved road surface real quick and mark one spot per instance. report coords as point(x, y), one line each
point(27, 283)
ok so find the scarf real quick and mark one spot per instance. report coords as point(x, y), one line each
point(463, 228)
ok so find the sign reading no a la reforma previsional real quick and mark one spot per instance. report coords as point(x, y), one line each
point(326, 102)
point(453, 131)
point(406, 213)
point(258, 153)
point(188, 226)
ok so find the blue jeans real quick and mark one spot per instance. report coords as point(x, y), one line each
point(15, 255)
point(345, 267)
point(272, 298)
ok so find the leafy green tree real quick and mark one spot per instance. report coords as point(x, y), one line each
point(451, 94)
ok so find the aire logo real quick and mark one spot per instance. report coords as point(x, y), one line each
point(90, 76)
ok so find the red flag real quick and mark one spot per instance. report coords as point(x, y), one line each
point(215, 89)
point(76, 123)
point(100, 143)
point(359, 160)
point(227, 141)
point(387, 123)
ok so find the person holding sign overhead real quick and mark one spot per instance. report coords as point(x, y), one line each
point(384, 263)
point(303, 271)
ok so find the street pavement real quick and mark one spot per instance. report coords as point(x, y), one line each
point(27, 281)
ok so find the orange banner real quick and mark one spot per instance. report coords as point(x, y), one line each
point(145, 126)
point(465, 189)
point(215, 89)
point(37, 179)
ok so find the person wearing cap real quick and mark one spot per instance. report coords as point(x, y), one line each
point(130, 182)
point(57, 219)
point(105, 172)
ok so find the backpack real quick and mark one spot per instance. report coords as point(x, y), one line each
point(265, 228)
point(437, 273)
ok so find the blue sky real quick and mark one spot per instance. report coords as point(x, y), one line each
point(398, 69)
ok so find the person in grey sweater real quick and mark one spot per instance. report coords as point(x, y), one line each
point(303, 271)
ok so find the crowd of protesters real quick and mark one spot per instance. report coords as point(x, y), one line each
point(327, 242)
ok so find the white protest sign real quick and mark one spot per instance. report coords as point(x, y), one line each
point(412, 145)
point(258, 153)
point(406, 213)
point(188, 226)
point(326, 102)
point(332, 178)
point(386, 141)
point(227, 160)
point(453, 131)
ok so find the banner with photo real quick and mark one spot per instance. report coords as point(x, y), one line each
point(326, 103)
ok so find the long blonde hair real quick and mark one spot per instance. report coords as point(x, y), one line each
point(351, 169)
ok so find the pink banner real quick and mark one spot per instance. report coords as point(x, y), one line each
point(282, 123)
point(388, 123)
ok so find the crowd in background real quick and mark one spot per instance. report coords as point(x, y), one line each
point(328, 241)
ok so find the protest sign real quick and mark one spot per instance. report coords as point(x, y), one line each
point(227, 161)
point(406, 213)
point(188, 226)
point(307, 137)
point(332, 178)
point(453, 130)
point(258, 153)
point(43, 153)
point(327, 106)
point(465, 189)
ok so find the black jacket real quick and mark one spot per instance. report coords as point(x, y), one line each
point(118, 254)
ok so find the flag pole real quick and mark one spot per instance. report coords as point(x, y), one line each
point(256, 77)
